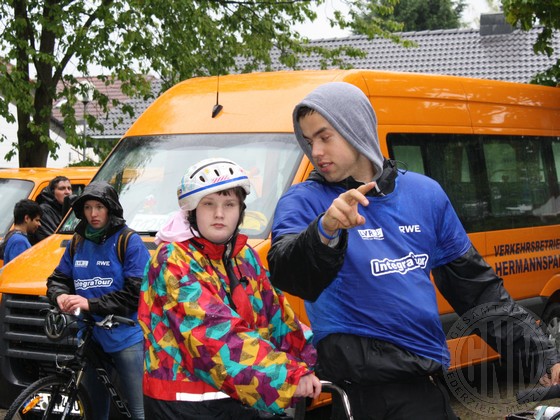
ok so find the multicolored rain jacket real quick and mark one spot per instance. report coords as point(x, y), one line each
point(199, 348)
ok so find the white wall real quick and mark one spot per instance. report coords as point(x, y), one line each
point(66, 154)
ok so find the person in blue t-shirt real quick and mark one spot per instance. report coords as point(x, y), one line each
point(93, 277)
point(358, 240)
point(27, 219)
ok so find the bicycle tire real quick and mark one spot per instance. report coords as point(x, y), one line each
point(33, 402)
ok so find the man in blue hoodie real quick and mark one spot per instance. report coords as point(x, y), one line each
point(27, 219)
point(342, 240)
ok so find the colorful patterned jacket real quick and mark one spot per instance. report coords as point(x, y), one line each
point(198, 348)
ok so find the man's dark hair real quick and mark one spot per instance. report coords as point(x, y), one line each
point(54, 182)
point(24, 208)
point(303, 111)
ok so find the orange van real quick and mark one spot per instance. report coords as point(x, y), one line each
point(19, 183)
point(493, 146)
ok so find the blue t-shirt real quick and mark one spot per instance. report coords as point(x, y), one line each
point(96, 271)
point(17, 243)
point(383, 289)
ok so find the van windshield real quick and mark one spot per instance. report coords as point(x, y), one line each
point(146, 172)
point(11, 191)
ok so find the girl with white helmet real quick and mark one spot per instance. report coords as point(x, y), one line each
point(220, 341)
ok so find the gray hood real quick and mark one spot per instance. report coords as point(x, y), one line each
point(350, 113)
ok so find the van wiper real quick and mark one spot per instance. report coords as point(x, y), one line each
point(146, 233)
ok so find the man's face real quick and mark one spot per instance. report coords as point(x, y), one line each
point(32, 224)
point(62, 189)
point(332, 155)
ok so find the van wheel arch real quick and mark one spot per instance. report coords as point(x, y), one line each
point(551, 320)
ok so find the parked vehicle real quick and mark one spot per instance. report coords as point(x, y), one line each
point(493, 146)
point(19, 183)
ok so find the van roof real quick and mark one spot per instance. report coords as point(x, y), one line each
point(263, 102)
point(42, 174)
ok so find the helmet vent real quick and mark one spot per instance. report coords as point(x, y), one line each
point(216, 172)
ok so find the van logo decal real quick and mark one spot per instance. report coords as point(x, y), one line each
point(371, 234)
point(84, 284)
point(399, 265)
point(81, 263)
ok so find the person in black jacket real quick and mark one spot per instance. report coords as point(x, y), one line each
point(93, 277)
point(51, 200)
point(358, 241)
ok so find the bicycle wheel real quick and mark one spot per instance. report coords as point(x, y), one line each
point(47, 398)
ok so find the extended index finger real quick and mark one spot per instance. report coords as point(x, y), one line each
point(364, 189)
point(358, 195)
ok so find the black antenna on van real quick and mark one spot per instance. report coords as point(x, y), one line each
point(217, 108)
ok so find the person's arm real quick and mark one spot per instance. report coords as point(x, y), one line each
point(302, 265)
point(305, 263)
point(469, 282)
point(286, 331)
point(58, 284)
point(220, 346)
point(124, 302)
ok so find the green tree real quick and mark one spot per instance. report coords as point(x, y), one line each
point(48, 42)
point(544, 14)
point(421, 15)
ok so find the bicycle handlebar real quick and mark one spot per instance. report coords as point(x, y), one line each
point(538, 394)
point(331, 388)
point(112, 321)
point(56, 322)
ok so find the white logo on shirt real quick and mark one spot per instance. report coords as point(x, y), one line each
point(81, 263)
point(410, 229)
point(370, 234)
point(91, 283)
point(105, 263)
point(400, 265)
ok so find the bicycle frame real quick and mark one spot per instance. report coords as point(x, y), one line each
point(89, 353)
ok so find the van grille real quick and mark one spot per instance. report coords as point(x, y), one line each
point(27, 352)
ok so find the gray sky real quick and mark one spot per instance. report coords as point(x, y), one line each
point(321, 28)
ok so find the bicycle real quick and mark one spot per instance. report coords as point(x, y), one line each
point(62, 395)
point(537, 394)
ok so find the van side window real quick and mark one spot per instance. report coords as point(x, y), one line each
point(77, 188)
point(493, 182)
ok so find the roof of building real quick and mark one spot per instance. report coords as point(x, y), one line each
point(495, 51)
point(115, 121)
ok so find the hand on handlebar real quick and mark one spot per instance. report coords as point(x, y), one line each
point(553, 378)
point(308, 386)
point(71, 303)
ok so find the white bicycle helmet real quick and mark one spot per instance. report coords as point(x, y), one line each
point(209, 176)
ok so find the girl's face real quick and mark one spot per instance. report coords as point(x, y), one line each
point(96, 213)
point(217, 216)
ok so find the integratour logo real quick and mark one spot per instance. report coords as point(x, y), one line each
point(400, 265)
